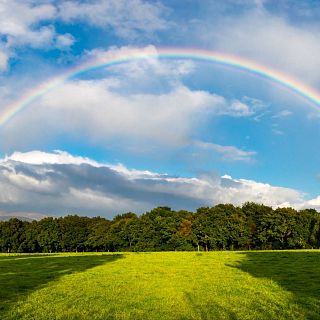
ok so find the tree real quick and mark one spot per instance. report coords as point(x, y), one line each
point(74, 232)
point(31, 243)
point(97, 239)
point(13, 235)
point(49, 235)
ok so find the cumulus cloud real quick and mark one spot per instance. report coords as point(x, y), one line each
point(164, 118)
point(64, 41)
point(59, 183)
point(26, 23)
point(127, 18)
point(91, 109)
point(20, 19)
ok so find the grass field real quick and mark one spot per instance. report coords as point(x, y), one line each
point(171, 285)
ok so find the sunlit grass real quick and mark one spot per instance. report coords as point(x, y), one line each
point(173, 285)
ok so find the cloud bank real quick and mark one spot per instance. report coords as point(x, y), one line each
point(58, 183)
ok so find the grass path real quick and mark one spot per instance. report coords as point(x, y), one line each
point(171, 285)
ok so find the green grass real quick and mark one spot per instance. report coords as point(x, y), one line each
point(172, 285)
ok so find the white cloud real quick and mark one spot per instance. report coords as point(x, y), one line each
point(64, 41)
point(260, 192)
point(58, 157)
point(103, 114)
point(126, 18)
point(240, 109)
point(41, 38)
point(282, 114)
point(17, 17)
point(59, 183)
point(313, 203)
point(19, 22)
point(229, 153)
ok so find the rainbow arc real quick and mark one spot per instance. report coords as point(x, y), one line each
point(8, 112)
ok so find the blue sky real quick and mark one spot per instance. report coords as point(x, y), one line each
point(158, 132)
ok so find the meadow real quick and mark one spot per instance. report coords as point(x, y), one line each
point(161, 285)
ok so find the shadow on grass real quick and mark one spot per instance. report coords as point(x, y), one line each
point(295, 271)
point(20, 275)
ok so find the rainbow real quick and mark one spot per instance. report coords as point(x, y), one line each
point(122, 57)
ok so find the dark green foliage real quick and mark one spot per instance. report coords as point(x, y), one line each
point(49, 235)
point(223, 227)
point(13, 235)
point(74, 231)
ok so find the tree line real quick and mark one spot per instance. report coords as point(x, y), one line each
point(222, 227)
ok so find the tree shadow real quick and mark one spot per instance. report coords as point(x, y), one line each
point(295, 271)
point(21, 275)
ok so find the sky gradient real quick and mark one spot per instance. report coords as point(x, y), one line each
point(181, 131)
